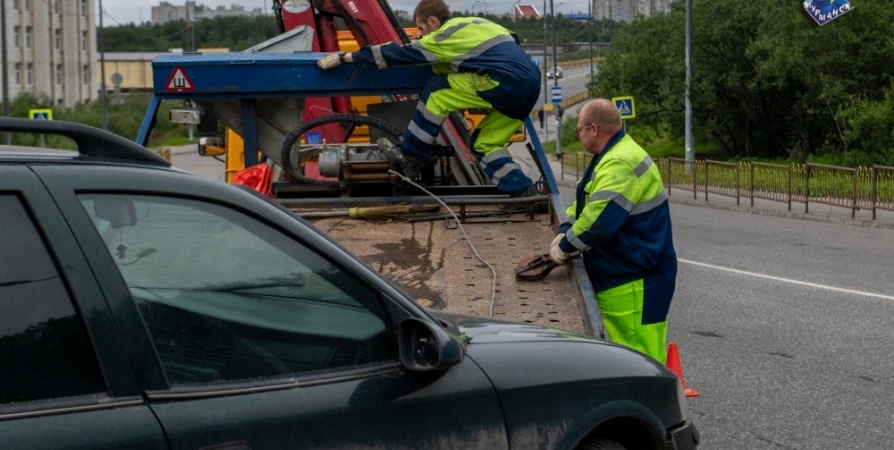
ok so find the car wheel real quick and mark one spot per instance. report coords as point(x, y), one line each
point(601, 444)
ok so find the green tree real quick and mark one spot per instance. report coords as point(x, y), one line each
point(766, 82)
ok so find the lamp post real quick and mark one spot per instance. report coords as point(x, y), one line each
point(690, 145)
point(553, 8)
point(5, 57)
point(102, 74)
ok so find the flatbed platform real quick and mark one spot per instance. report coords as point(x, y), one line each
point(435, 265)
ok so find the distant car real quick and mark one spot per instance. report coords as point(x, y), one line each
point(552, 73)
point(144, 307)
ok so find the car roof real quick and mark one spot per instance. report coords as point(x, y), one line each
point(92, 144)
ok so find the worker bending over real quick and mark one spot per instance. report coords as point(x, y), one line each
point(620, 221)
point(480, 65)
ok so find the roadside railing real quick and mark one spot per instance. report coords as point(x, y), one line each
point(855, 188)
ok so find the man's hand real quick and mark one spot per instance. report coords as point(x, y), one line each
point(556, 253)
point(555, 241)
point(330, 61)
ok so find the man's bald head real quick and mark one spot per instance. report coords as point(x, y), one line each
point(597, 123)
point(603, 113)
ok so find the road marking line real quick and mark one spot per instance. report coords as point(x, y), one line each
point(789, 280)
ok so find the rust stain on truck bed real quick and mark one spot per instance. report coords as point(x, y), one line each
point(435, 266)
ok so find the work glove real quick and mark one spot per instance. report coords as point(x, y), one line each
point(329, 61)
point(556, 241)
point(556, 254)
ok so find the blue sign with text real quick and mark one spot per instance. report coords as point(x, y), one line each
point(825, 11)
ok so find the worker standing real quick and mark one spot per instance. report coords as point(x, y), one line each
point(620, 221)
point(478, 64)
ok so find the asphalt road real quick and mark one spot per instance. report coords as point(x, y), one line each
point(780, 364)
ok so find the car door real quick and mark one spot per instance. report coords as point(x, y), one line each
point(268, 336)
point(65, 382)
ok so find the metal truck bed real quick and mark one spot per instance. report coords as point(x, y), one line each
point(435, 265)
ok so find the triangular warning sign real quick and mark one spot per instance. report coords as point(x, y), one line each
point(624, 108)
point(179, 81)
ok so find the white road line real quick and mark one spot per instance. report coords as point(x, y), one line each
point(789, 280)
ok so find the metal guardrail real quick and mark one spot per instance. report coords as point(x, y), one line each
point(869, 188)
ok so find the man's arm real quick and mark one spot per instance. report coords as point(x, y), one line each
point(422, 51)
point(609, 206)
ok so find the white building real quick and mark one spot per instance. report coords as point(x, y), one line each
point(52, 49)
point(166, 12)
point(628, 10)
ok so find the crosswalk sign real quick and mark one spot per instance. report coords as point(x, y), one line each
point(40, 114)
point(625, 107)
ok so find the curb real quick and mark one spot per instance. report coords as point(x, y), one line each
point(786, 214)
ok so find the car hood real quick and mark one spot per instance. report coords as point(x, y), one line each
point(481, 330)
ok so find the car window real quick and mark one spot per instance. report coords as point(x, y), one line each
point(45, 351)
point(226, 297)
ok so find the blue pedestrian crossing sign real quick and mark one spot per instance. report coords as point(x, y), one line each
point(40, 114)
point(556, 92)
point(536, 62)
point(625, 107)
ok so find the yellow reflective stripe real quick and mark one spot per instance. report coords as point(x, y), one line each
point(429, 116)
point(429, 56)
point(575, 241)
point(643, 167)
point(479, 49)
point(647, 206)
point(377, 56)
point(616, 197)
point(420, 134)
point(505, 171)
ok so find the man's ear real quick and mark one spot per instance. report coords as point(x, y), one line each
point(434, 23)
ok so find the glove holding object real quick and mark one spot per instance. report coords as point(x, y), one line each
point(331, 60)
point(556, 254)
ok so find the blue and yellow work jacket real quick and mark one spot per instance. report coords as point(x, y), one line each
point(620, 219)
point(462, 44)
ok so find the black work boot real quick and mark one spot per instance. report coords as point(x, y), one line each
point(513, 208)
point(409, 164)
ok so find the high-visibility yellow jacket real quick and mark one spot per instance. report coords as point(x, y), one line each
point(620, 219)
point(462, 44)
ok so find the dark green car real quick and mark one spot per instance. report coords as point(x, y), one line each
point(144, 307)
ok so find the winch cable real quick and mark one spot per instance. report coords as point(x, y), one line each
point(493, 294)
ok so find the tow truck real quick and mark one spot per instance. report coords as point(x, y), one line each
point(436, 237)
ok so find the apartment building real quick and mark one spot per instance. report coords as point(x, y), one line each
point(628, 10)
point(190, 10)
point(52, 49)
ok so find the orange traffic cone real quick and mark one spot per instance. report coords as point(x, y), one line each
point(675, 366)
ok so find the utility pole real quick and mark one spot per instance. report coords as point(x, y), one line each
point(590, 23)
point(545, 71)
point(192, 30)
point(5, 66)
point(552, 8)
point(102, 73)
point(690, 145)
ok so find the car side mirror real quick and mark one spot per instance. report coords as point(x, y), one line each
point(425, 347)
point(117, 211)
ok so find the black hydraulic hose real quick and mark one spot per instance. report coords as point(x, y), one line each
point(356, 119)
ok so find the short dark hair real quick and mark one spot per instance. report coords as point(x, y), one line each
point(432, 8)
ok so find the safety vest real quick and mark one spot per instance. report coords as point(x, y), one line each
point(462, 44)
point(620, 219)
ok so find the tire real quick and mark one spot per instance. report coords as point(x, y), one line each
point(601, 444)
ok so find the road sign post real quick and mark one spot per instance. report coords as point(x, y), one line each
point(41, 114)
point(626, 107)
point(556, 96)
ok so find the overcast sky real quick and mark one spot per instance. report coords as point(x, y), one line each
point(123, 11)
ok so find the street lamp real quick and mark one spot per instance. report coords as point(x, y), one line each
point(102, 74)
point(690, 145)
point(512, 9)
point(476, 4)
point(553, 8)
point(5, 57)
